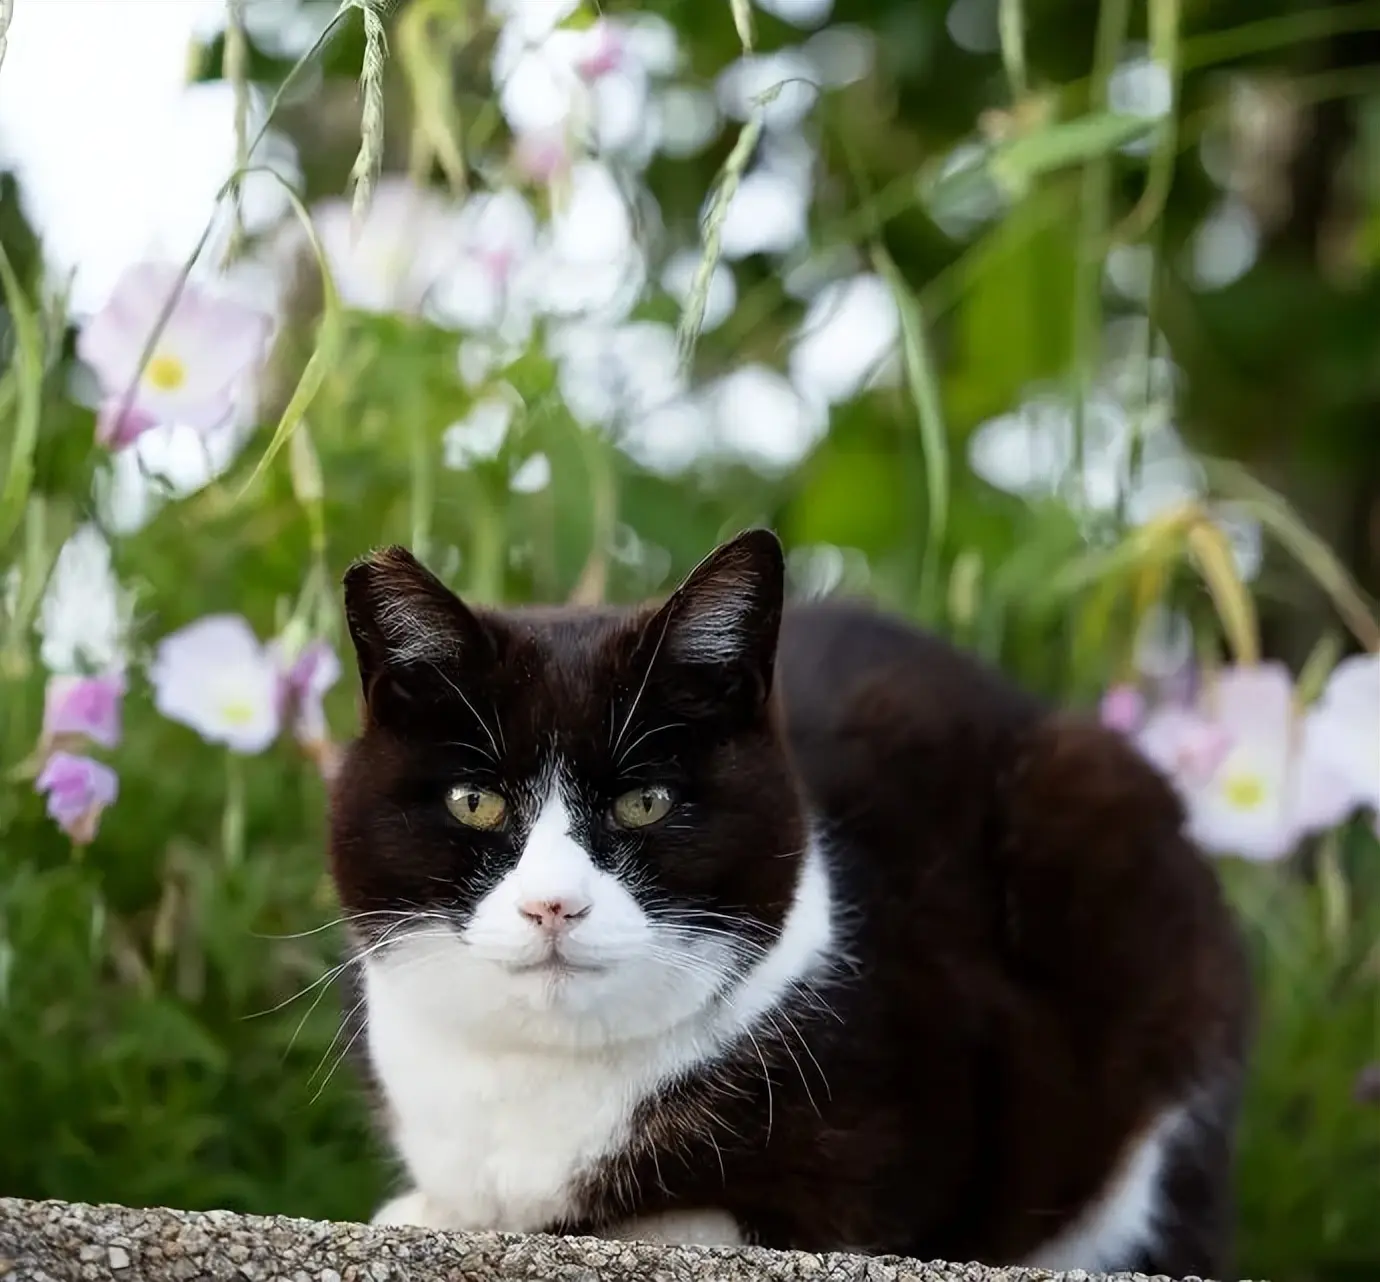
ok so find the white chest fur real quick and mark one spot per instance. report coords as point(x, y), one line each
point(497, 1125)
point(495, 1139)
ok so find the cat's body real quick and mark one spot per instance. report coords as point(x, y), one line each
point(942, 979)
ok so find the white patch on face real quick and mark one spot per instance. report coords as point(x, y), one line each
point(1125, 1217)
point(506, 1085)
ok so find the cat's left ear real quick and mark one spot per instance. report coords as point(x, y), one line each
point(725, 618)
point(407, 626)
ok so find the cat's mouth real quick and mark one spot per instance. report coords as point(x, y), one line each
point(554, 964)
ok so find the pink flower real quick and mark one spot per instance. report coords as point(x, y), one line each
point(1245, 765)
point(78, 790)
point(77, 708)
point(215, 676)
point(542, 156)
point(305, 681)
point(602, 50)
point(199, 358)
point(1345, 725)
point(1123, 709)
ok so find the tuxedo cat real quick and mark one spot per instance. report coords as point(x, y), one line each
point(725, 921)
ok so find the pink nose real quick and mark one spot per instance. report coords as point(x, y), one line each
point(554, 915)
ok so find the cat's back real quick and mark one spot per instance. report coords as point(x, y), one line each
point(1025, 904)
point(876, 708)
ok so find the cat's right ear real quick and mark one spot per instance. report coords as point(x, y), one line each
point(410, 631)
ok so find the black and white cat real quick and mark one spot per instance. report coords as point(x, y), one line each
point(718, 922)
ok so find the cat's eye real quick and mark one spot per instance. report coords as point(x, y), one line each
point(476, 807)
point(642, 807)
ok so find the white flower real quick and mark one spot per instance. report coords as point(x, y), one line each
point(1140, 86)
point(1345, 725)
point(206, 348)
point(799, 13)
point(589, 262)
point(215, 676)
point(408, 242)
point(533, 476)
point(848, 331)
point(1225, 246)
point(687, 120)
point(139, 175)
point(782, 85)
point(767, 215)
point(170, 461)
point(761, 419)
point(480, 434)
point(617, 374)
point(1250, 775)
point(590, 80)
point(495, 234)
point(671, 437)
point(84, 616)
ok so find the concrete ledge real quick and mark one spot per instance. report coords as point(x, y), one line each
point(64, 1242)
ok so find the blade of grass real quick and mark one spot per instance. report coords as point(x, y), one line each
point(364, 174)
point(1011, 27)
point(742, 22)
point(929, 411)
point(1210, 551)
point(692, 317)
point(425, 60)
point(1321, 563)
point(330, 341)
point(27, 374)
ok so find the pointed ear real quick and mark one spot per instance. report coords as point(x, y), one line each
point(406, 625)
point(727, 614)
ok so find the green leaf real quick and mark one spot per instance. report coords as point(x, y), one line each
point(1018, 163)
point(26, 377)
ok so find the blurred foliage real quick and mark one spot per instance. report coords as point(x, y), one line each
point(165, 1034)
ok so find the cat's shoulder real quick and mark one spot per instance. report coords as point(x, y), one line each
point(850, 662)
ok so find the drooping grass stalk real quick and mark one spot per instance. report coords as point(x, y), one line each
point(232, 818)
point(437, 131)
point(742, 22)
point(330, 342)
point(1280, 520)
point(170, 304)
point(1095, 201)
point(235, 70)
point(1320, 23)
point(364, 174)
point(1164, 50)
point(692, 317)
point(25, 378)
point(422, 485)
point(929, 409)
point(592, 585)
point(1011, 27)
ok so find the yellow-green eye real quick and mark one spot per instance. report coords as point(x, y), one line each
point(476, 808)
point(642, 806)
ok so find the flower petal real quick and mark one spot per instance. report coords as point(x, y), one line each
point(216, 677)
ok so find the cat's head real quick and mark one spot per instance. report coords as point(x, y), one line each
point(567, 824)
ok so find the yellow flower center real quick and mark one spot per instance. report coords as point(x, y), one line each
point(237, 712)
point(1243, 791)
point(164, 372)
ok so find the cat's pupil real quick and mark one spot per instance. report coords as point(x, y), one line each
point(647, 801)
point(472, 801)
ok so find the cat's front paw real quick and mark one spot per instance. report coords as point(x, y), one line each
point(679, 1228)
point(412, 1209)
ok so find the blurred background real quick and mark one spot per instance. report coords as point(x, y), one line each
point(1053, 324)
